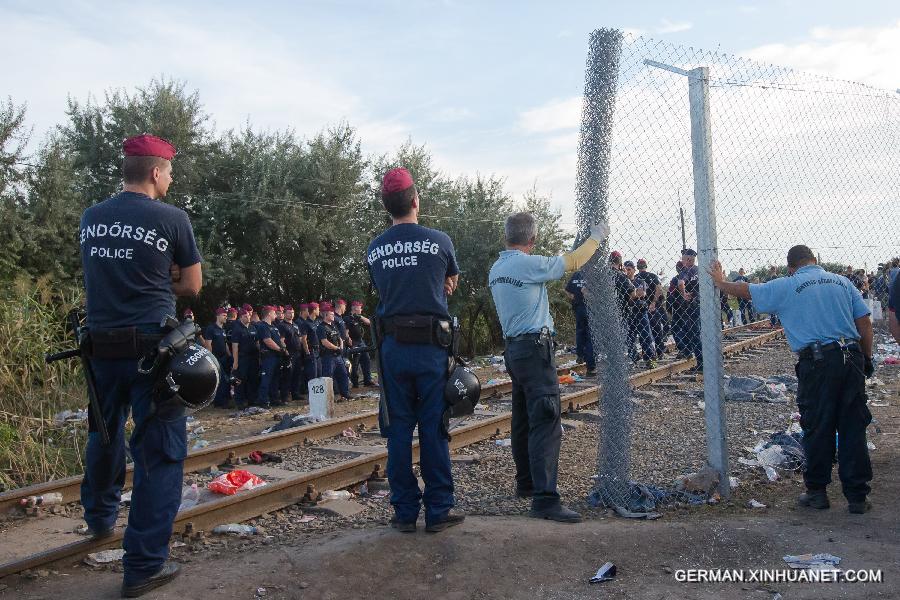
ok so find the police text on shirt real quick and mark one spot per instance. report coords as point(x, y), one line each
point(405, 253)
point(118, 230)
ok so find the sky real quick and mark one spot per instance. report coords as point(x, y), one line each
point(491, 88)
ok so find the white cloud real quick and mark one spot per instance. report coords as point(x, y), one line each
point(864, 54)
point(241, 73)
point(451, 114)
point(552, 116)
point(667, 26)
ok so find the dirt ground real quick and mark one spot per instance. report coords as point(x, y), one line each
point(508, 555)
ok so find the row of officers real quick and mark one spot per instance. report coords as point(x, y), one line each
point(269, 356)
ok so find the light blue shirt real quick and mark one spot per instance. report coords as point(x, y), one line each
point(518, 283)
point(813, 305)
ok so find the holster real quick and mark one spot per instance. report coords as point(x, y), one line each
point(125, 342)
point(418, 329)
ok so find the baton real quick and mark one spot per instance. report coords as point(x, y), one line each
point(382, 387)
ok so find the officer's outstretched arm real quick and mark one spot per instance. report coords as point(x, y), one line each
point(578, 257)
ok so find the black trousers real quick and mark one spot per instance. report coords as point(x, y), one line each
point(536, 430)
point(832, 400)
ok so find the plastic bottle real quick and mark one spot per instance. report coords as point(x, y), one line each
point(190, 497)
point(336, 495)
point(235, 528)
point(49, 499)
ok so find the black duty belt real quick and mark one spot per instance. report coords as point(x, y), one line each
point(808, 353)
point(523, 337)
point(125, 342)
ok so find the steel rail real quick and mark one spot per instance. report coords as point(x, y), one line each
point(286, 492)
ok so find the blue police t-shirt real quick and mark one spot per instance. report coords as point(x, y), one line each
point(215, 335)
point(813, 306)
point(244, 338)
point(128, 243)
point(894, 298)
point(518, 283)
point(575, 286)
point(408, 264)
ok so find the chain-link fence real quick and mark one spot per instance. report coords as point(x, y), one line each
point(751, 158)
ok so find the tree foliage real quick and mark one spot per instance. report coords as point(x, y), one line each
point(279, 217)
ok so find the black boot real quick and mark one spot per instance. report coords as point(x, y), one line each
point(449, 520)
point(817, 499)
point(167, 573)
point(861, 507)
point(557, 512)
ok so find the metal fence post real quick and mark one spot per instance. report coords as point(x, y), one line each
point(710, 309)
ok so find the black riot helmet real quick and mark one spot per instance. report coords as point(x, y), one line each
point(462, 390)
point(192, 378)
point(187, 374)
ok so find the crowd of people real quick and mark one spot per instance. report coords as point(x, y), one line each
point(267, 357)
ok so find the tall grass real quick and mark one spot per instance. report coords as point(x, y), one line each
point(33, 447)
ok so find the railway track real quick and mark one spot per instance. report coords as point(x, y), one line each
point(288, 491)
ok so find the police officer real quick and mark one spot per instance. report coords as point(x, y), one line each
point(215, 340)
point(893, 313)
point(584, 346)
point(294, 344)
point(688, 287)
point(414, 269)
point(639, 319)
point(356, 325)
point(518, 282)
point(245, 354)
point(827, 323)
point(138, 254)
point(659, 324)
point(745, 307)
point(332, 352)
point(312, 367)
point(676, 307)
point(291, 343)
point(271, 353)
point(340, 307)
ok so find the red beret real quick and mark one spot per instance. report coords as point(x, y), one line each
point(187, 312)
point(288, 307)
point(356, 303)
point(267, 308)
point(279, 308)
point(221, 311)
point(396, 180)
point(232, 311)
point(148, 145)
point(303, 306)
point(313, 305)
point(616, 253)
point(341, 301)
point(242, 312)
point(248, 308)
point(327, 307)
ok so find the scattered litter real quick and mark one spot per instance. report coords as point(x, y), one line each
point(505, 443)
point(498, 381)
point(190, 497)
point(125, 498)
point(874, 381)
point(350, 433)
point(642, 500)
point(757, 389)
point(235, 528)
point(755, 504)
point(250, 411)
point(891, 360)
point(261, 592)
point(336, 495)
point(870, 445)
point(259, 457)
point(307, 518)
point(605, 573)
point(815, 562)
point(292, 420)
point(200, 445)
point(70, 416)
point(576, 376)
point(380, 494)
point(733, 482)
point(705, 481)
point(569, 364)
point(481, 406)
point(95, 559)
point(177, 544)
point(234, 482)
point(566, 379)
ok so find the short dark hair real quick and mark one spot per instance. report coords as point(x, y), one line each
point(798, 255)
point(399, 204)
point(136, 169)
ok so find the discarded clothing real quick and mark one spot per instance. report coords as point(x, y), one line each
point(755, 389)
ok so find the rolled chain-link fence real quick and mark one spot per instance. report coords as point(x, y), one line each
point(777, 158)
